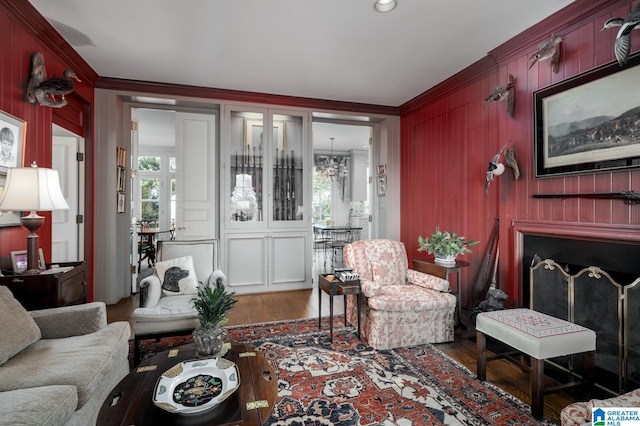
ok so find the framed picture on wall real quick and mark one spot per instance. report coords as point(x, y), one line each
point(121, 202)
point(588, 123)
point(122, 179)
point(12, 136)
point(382, 169)
point(382, 185)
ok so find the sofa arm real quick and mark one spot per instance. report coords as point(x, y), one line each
point(150, 291)
point(70, 321)
point(217, 277)
point(428, 281)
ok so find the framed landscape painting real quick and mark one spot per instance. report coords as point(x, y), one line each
point(589, 123)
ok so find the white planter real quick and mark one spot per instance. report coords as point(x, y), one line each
point(446, 260)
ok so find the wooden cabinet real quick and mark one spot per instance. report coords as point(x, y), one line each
point(49, 290)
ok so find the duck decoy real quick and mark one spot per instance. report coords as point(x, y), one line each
point(47, 90)
point(503, 93)
point(495, 169)
point(60, 85)
point(622, 45)
point(548, 50)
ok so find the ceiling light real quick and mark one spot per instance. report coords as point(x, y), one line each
point(385, 5)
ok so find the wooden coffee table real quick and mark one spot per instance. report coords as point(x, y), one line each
point(130, 402)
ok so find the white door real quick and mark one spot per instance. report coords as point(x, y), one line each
point(67, 235)
point(196, 175)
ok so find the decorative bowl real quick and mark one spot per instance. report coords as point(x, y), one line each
point(197, 385)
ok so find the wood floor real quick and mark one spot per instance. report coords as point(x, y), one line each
point(304, 304)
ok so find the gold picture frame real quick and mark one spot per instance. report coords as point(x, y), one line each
point(12, 127)
point(19, 261)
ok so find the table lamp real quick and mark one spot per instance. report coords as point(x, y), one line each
point(32, 189)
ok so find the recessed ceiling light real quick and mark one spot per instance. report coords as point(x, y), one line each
point(385, 5)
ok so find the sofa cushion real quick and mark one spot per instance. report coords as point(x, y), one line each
point(46, 405)
point(177, 276)
point(19, 330)
point(81, 361)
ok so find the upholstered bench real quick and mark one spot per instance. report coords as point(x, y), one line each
point(541, 337)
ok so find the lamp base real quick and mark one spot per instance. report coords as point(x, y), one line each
point(32, 222)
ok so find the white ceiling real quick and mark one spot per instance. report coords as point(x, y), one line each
point(325, 49)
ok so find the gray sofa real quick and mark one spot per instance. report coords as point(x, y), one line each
point(57, 366)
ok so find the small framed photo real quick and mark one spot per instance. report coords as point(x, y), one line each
point(122, 179)
point(382, 185)
point(13, 132)
point(121, 202)
point(19, 261)
point(121, 157)
point(382, 169)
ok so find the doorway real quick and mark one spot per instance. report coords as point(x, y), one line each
point(341, 186)
point(68, 225)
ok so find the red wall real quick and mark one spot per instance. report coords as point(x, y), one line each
point(448, 138)
point(23, 32)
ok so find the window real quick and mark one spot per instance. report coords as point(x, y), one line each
point(150, 199)
point(321, 203)
point(149, 164)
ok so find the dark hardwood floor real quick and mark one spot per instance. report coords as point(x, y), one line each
point(304, 304)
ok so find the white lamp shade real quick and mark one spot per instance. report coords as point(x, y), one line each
point(32, 189)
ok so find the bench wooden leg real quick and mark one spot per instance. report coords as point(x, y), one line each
point(537, 388)
point(589, 367)
point(481, 357)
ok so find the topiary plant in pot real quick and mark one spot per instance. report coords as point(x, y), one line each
point(212, 305)
point(445, 246)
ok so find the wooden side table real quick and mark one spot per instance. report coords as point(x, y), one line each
point(336, 288)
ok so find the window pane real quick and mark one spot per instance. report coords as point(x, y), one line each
point(150, 210)
point(149, 164)
point(172, 164)
point(149, 189)
point(173, 203)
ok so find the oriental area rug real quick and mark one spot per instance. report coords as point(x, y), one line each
point(346, 382)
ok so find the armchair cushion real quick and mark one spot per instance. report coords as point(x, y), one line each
point(401, 298)
point(19, 330)
point(178, 276)
point(427, 281)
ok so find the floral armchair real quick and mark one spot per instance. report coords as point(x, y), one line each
point(400, 307)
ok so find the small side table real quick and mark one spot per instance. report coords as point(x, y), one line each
point(454, 269)
point(336, 288)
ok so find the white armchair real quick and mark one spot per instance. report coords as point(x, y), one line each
point(161, 314)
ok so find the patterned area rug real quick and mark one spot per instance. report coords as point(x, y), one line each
point(346, 382)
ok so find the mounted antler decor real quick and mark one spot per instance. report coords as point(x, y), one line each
point(44, 90)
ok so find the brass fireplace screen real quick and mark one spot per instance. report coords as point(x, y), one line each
point(594, 300)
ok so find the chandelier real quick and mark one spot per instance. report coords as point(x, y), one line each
point(333, 166)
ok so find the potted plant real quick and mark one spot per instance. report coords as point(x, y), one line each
point(445, 246)
point(212, 304)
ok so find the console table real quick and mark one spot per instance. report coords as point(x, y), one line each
point(49, 290)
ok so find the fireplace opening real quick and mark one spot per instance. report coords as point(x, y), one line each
point(591, 300)
point(619, 259)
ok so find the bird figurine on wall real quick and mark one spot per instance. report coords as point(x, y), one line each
point(549, 49)
point(503, 93)
point(495, 169)
point(44, 90)
point(622, 45)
